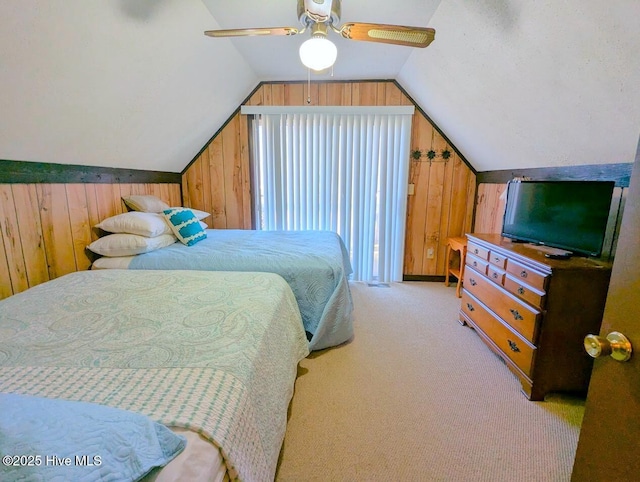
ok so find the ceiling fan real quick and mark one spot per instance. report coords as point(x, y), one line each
point(319, 16)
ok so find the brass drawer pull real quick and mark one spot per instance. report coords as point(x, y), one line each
point(513, 346)
point(475, 264)
point(475, 251)
point(472, 282)
point(470, 307)
point(495, 275)
point(520, 290)
point(523, 274)
point(516, 315)
point(496, 259)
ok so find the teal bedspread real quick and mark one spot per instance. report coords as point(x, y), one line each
point(315, 264)
point(213, 352)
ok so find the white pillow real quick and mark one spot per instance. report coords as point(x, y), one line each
point(146, 203)
point(121, 244)
point(114, 262)
point(134, 222)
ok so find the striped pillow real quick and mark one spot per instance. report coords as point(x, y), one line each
point(185, 225)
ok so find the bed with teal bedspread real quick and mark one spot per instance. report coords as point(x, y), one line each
point(314, 263)
point(213, 352)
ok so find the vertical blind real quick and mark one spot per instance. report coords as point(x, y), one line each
point(344, 172)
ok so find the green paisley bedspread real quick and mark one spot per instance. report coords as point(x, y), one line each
point(214, 352)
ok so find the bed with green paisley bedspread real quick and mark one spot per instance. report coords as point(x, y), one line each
point(214, 352)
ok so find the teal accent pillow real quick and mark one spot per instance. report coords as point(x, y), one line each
point(65, 440)
point(185, 225)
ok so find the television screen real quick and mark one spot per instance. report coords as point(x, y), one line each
point(571, 215)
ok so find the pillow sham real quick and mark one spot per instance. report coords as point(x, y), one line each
point(112, 262)
point(146, 203)
point(185, 225)
point(102, 443)
point(121, 244)
point(135, 222)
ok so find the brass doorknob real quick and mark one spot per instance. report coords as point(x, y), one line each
point(615, 344)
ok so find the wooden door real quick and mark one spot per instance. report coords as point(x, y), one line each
point(609, 444)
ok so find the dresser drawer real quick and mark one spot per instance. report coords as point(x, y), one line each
point(495, 274)
point(524, 291)
point(522, 317)
point(478, 251)
point(500, 260)
point(510, 343)
point(530, 276)
point(477, 263)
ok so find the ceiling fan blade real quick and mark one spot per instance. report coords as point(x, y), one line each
point(389, 34)
point(244, 32)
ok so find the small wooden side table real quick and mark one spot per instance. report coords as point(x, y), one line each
point(460, 245)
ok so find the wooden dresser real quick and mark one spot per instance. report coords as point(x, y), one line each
point(534, 312)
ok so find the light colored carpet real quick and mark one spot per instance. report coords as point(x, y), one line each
point(415, 396)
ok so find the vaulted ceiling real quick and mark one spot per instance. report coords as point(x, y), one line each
point(136, 84)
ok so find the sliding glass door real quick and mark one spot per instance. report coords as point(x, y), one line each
point(344, 172)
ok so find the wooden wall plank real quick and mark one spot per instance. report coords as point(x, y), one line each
point(6, 289)
point(471, 202)
point(11, 240)
point(245, 174)
point(434, 212)
point(216, 173)
point(322, 94)
point(80, 224)
point(205, 199)
point(27, 212)
point(294, 94)
point(258, 96)
point(335, 94)
point(419, 174)
point(393, 95)
point(232, 174)
point(56, 228)
point(459, 200)
point(93, 212)
point(445, 214)
point(490, 208)
point(192, 191)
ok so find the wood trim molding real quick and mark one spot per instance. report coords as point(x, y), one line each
point(420, 277)
point(620, 173)
point(24, 172)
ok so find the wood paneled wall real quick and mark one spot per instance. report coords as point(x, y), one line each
point(218, 180)
point(45, 228)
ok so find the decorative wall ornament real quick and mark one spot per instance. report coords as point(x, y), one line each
point(431, 155)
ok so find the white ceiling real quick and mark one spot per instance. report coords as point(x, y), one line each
point(136, 83)
point(276, 58)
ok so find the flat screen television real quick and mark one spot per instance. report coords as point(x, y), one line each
point(570, 215)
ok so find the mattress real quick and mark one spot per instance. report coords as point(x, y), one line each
point(315, 264)
point(215, 353)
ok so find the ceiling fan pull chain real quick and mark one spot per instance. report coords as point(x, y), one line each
point(308, 86)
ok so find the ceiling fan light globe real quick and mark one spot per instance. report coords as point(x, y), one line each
point(318, 53)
